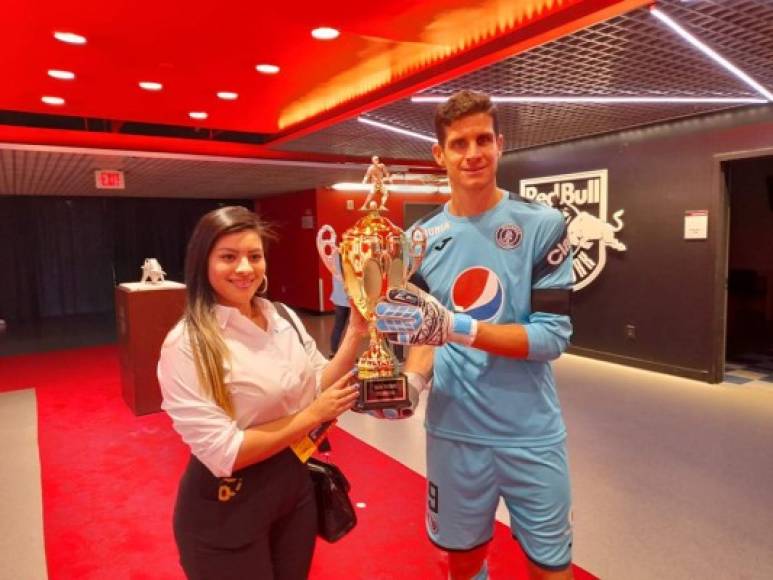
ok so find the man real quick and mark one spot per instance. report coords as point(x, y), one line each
point(378, 175)
point(342, 309)
point(499, 271)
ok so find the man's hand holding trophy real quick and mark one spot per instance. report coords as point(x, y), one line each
point(375, 257)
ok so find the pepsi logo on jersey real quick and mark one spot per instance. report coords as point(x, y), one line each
point(478, 292)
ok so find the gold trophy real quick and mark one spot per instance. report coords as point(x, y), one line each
point(374, 255)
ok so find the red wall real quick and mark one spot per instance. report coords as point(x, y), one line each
point(294, 266)
point(292, 260)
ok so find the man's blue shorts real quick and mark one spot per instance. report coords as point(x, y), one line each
point(466, 482)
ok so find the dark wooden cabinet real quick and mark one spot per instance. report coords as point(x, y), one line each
point(143, 319)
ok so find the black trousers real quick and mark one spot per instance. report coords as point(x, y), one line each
point(339, 325)
point(259, 524)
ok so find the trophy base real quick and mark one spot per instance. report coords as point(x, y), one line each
point(383, 393)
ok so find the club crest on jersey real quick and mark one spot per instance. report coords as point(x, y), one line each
point(509, 236)
point(477, 291)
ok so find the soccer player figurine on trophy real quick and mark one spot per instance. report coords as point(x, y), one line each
point(375, 255)
point(378, 175)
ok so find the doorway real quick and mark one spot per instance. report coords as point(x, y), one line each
point(749, 320)
point(413, 212)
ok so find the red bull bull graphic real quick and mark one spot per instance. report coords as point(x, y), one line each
point(582, 198)
point(478, 292)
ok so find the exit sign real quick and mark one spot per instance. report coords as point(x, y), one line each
point(109, 179)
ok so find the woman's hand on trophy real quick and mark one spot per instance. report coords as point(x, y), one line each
point(336, 399)
point(415, 317)
point(357, 322)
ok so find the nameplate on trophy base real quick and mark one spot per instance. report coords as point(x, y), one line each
point(383, 393)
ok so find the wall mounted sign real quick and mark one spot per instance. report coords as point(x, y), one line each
point(582, 198)
point(109, 179)
point(696, 224)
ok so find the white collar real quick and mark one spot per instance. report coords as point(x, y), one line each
point(225, 314)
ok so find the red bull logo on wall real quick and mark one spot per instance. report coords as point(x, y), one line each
point(582, 198)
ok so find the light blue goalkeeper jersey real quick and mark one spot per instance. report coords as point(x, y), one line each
point(488, 267)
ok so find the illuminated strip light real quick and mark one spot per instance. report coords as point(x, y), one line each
point(607, 100)
point(668, 21)
point(345, 186)
point(392, 188)
point(397, 130)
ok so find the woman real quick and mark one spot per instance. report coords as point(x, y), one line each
point(240, 388)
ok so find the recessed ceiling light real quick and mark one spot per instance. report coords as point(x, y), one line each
point(228, 95)
point(198, 115)
point(70, 37)
point(325, 33)
point(267, 69)
point(64, 75)
point(151, 85)
point(53, 100)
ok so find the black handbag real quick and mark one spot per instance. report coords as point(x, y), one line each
point(335, 513)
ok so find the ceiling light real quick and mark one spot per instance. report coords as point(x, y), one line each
point(605, 100)
point(227, 95)
point(64, 75)
point(267, 69)
point(198, 115)
point(70, 37)
point(53, 100)
point(325, 33)
point(352, 186)
point(397, 130)
point(711, 53)
point(151, 85)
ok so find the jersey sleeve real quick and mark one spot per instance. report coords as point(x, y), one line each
point(549, 327)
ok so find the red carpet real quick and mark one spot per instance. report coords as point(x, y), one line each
point(109, 480)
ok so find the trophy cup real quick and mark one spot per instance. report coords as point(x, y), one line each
point(374, 255)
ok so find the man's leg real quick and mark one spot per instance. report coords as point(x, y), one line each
point(462, 498)
point(538, 573)
point(339, 324)
point(535, 485)
point(368, 199)
point(384, 197)
point(468, 564)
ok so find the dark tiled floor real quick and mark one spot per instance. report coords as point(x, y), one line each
point(751, 367)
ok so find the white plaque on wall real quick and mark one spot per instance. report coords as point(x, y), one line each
point(696, 224)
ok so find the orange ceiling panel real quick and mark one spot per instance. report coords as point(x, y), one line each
point(197, 48)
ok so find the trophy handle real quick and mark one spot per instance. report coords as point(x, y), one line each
point(326, 246)
point(416, 250)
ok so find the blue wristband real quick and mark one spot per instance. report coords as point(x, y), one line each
point(464, 328)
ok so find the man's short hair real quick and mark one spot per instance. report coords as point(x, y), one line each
point(463, 104)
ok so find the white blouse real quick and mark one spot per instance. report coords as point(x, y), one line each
point(270, 375)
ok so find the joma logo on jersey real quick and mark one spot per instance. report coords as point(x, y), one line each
point(582, 198)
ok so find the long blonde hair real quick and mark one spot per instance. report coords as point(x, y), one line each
point(209, 349)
